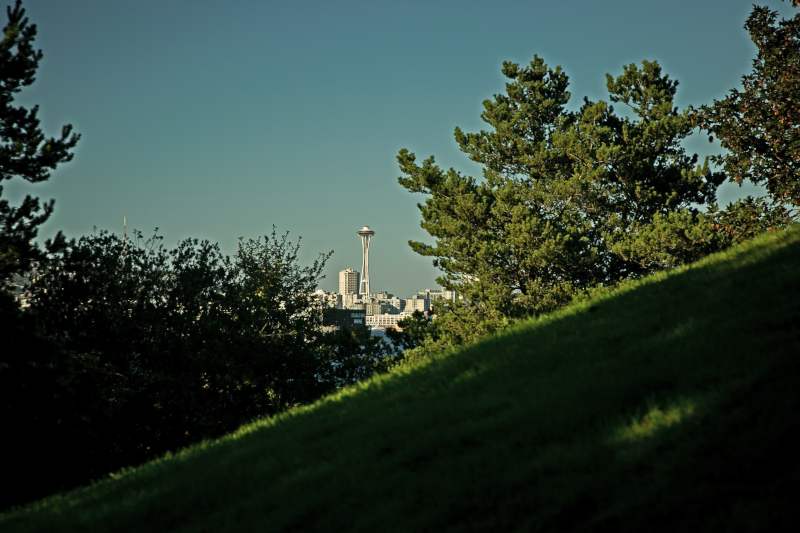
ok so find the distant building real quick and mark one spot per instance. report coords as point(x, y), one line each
point(343, 318)
point(440, 294)
point(349, 280)
point(421, 303)
point(396, 303)
point(386, 320)
point(377, 307)
point(352, 301)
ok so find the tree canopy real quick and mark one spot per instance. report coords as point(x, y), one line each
point(560, 188)
point(759, 124)
point(128, 349)
point(569, 198)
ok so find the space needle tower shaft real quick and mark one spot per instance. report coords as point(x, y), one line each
point(366, 235)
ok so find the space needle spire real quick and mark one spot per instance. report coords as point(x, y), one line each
point(366, 235)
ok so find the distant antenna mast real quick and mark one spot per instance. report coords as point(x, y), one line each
point(125, 236)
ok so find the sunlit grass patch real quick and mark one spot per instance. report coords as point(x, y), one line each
point(655, 419)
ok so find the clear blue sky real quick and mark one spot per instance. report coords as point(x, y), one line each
point(219, 119)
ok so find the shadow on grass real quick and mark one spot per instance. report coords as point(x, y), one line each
point(723, 461)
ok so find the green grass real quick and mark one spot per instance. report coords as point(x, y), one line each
point(670, 404)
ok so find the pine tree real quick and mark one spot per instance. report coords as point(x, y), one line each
point(561, 190)
point(25, 151)
point(759, 124)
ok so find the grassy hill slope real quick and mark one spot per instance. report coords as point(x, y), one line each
point(669, 404)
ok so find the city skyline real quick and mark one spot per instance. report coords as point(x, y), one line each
point(292, 115)
point(351, 281)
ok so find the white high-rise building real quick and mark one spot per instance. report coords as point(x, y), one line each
point(348, 281)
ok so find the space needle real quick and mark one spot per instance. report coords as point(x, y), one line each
point(366, 235)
